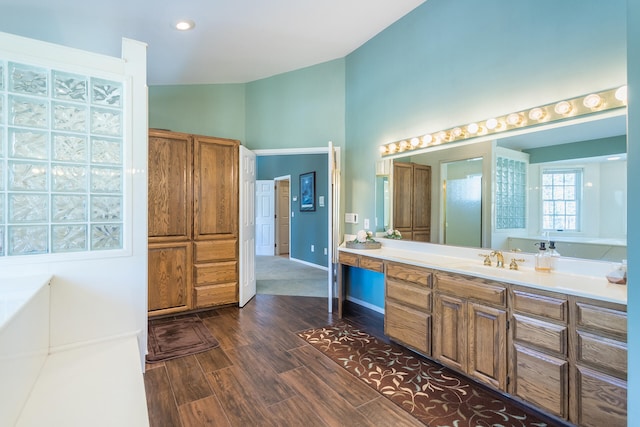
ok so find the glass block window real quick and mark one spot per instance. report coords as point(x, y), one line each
point(61, 161)
point(511, 193)
point(561, 199)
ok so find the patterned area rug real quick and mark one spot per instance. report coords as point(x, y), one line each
point(431, 393)
point(176, 337)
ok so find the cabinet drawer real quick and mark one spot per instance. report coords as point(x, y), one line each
point(219, 272)
point(408, 326)
point(601, 319)
point(471, 288)
point(224, 293)
point(347, 258)
point(215, 250)
point(409, 293)
point(603, 353)
point(409, 273)
point(541, 334)
point(374, 264)
point(540, 305)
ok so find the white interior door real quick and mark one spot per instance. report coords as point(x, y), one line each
point(265, 217)
point(247, 226)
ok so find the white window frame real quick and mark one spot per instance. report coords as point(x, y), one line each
point(579, 177)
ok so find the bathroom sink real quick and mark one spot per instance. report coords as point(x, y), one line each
point(491, 271)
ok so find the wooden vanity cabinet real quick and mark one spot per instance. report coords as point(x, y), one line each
point(599, 372)
point(408, 304)
point(412, 201)
point(192, 222)
point(470, 326)
point(539, 370)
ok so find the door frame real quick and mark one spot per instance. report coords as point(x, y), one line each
point(333, 224)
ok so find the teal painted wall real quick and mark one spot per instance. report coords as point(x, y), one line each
point(449, 63)
point(633, 207)
point(302, 108)
point(307, 228)
point(365, 285)
point(582, 150)
point(214, 110)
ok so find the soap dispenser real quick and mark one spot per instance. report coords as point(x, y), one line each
point(543, 258)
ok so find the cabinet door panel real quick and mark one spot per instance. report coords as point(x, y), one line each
point(169, 272)
point(487, 344)
point(408, 326)
point(450, 332)
point(215, 188)
point(421, 201)
point(472, 288)
point(402, 197)
point(601, 399)
point(169, 201)
point(542, 380)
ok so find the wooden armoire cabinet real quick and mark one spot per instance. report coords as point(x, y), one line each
point(193, 222)
point(412, 200)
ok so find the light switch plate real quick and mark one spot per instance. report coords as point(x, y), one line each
point(351, 218)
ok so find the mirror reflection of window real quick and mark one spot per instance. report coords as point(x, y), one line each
point(561, 199)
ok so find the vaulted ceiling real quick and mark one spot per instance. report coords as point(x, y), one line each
point(234, 41)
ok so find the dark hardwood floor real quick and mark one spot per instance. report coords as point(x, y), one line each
point(263, 374)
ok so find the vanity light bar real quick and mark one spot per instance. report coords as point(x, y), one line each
point(575, 107)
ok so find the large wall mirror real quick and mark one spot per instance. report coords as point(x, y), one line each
point(564, 182)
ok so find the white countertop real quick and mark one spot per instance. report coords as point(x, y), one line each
point(572, 277)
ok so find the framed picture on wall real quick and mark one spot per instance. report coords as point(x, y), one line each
point(308, 192)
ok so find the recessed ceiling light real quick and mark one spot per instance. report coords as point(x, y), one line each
point(185, 25)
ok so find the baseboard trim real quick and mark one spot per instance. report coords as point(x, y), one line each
point(365, 304)
point(310, 264)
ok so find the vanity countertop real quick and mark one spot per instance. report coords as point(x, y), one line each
point(591, 284)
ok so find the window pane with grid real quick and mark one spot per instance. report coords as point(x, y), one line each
point(560, 199)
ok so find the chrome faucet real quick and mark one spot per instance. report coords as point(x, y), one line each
point(499, 258)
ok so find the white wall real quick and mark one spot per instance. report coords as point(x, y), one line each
point(96, 295)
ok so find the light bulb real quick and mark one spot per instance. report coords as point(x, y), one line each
point(563, 107)
point(621, 93)
point(415, 142)
point(427, 139)
point(383, 149)
point(514, 119)
point(537, 114)
point(592, 101)
point(457, 132)
point(392, 147)
point(472, 128)
point(492, 124)
point(185, 24)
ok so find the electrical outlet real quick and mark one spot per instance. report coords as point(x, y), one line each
point(313, 248)
point(366, 223)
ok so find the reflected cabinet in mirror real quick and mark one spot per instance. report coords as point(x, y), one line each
point(564, 182)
